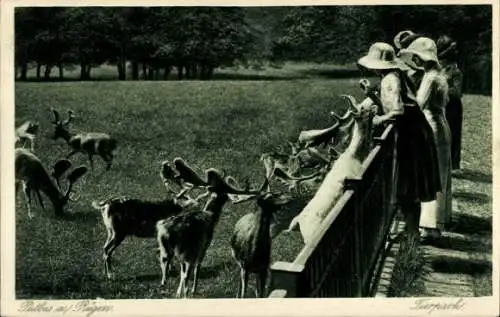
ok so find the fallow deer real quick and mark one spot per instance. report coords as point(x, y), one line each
point(90, 143)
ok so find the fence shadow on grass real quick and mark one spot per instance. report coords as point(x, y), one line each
point(461, 244)
point(470, 224)
point(446, 264)
point(474, 176)
point(476, 198)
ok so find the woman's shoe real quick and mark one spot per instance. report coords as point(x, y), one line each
point(429, 235)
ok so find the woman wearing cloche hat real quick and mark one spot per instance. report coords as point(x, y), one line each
point(432, 97)
point(417, 171)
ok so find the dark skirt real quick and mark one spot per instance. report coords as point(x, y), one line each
point(454, 116)
point(417, 168)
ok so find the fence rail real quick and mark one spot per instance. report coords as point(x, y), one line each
point(341, 259)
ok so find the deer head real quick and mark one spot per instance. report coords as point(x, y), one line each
point(61, 128)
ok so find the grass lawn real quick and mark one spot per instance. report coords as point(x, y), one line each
point(221, 124)
point(224, 124)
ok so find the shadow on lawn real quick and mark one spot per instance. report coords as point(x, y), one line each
point(462, 244)
point(205, 272)
point(477, 198)
point(469, 224)
point(474, 176)
point(446, 264)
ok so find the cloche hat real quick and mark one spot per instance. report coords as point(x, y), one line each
point(423, 47)
point(381, 56)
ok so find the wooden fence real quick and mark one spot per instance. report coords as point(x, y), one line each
point(342, 258)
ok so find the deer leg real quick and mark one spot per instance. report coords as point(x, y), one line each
point(195, 278)
point(189, 268)
point(165, 260)
point(27, 195)
point(40, 200)
point(261, 283)
point(108, 158)
point(91, 161)
point(110, 246)
point(182, 278)
point(70, 154)
point(244, 281)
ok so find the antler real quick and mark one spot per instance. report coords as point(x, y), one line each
point(56, 116)
point(187, 174)
point(352, 103)
point(317, 137)
point(70, 117)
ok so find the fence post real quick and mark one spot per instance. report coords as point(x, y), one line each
point(352, 184)
point(286, 276)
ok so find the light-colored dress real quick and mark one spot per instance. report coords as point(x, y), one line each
point(432, 97)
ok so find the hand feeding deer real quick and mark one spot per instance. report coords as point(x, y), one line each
point(124, 217)
point(348, 165)
point(188, 236)
point(33, 176)
point(27, 132)
point(91, 143)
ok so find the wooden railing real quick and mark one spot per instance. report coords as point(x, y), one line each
point(342, 258)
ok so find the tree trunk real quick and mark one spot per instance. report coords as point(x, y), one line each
point(194, 72)
point(180, 72)
point(166, 72)
point(24, 71)
point(87, 72)
point(210, 72)
point(150, 73)
point(144, 71)
point(135, 70)
point(38, 70)
point(82, 70)
point(61, 71)
point(121, 70)
point(48, 70)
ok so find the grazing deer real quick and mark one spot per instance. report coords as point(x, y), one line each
point(27, 132)
point(33, 176)
point(91, 143)
point(348, 165)
point(251, 240)
point(188, 236)
point(124, 217)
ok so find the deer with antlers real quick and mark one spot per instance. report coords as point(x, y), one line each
point(124, 217)
point(90, 143)
point(188, 236)
point(27, 132)
point(348, 165)
point(251, 239)
point(34, 177)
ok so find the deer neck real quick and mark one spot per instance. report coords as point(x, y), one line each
point(49, 188)
point(67, 136)
point(263, 223)
point(359, 145)
point(214, 206)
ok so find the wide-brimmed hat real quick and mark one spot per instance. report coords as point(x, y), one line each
point(381, 56)
point(446, 46)
point(400, 37)
point(423, 47)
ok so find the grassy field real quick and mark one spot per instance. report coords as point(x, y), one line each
point(222, 124)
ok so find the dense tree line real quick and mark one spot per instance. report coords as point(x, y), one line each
point(194, 41)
